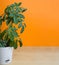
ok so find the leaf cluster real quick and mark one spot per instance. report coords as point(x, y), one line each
point(13, 14)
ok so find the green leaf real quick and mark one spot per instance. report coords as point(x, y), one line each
point(20, 42)
point(0, 45)
point(6, 37)
point(19, 3)
point(4, 17)
point(23, 10)
point(22, 29)
point(10, 36)
point(19, 19)
point(2, 34)
point(12, 33)
point(15, 34)
point(20, 15)
point(24, 25)
point(11, 15)
point(20, 25)
point(15, 20)
point(14, 28)
point(8, 21)
point(1, 20)
point(7, 10)
point(13, 44)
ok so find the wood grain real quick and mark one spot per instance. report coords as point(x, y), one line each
point(36, 56)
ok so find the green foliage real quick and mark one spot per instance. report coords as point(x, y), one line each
point(20, 42)
point(2, 43)
point(13, 14)
point(12, 33)
point(2, 34)
point(1, 20)
point(13, 44)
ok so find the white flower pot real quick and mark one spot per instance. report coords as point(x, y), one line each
point(6, 55)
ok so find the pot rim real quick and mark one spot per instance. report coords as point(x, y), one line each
point(6, 47)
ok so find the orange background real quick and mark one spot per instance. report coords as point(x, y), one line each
point(42, 19)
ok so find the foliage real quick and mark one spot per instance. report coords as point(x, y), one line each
point(13, 14)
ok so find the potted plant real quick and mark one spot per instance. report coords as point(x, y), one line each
point(9, 38)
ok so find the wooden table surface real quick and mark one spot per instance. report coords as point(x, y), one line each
point(36, 56)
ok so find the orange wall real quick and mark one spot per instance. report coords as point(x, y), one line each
point(42, 18)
